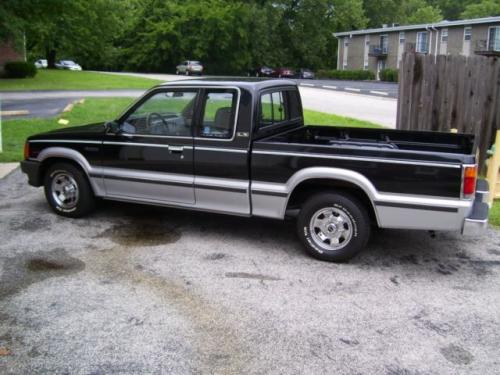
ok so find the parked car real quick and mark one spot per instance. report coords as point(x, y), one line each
point(41, 64)
point(305, 73)
point(189, 67)
point(68, 65)
point(250, 154)
point(284, 73)
point(261, 71)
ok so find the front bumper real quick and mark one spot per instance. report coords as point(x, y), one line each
point(32, 169)
point(477, 221)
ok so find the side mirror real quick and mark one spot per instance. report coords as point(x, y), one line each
point(112, 127)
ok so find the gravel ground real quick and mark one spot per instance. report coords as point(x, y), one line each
point(147, 290)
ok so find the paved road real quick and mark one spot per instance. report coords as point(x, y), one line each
point(381, 89)
point(143, 290)
point(370, 108)
point(36, 107)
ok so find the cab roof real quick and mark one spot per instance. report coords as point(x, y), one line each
point(251, 84)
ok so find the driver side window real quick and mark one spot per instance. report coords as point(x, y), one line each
point(167, 113)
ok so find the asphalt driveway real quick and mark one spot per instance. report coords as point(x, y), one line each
point(149, 290)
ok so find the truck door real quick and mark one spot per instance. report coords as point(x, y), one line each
point(221, 150)
point(150, 157)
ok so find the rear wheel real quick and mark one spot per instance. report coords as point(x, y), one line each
point(68, 191)
point(333, 226)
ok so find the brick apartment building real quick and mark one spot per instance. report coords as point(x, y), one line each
point(376, 49)
point(8, 52)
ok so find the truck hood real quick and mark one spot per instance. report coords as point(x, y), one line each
point(91, 131)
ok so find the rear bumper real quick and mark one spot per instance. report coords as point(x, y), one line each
point(32, 169)
point(477, 221)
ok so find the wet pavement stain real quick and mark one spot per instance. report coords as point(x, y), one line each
point(141, 233)
point(31, 225)
point(255, 276)
point(215, 256)
point(27, 269)
point(494, 252)
point(457, 355)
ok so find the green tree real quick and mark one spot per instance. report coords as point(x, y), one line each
point(418, 11)
point(381, 12)
point(485, 8)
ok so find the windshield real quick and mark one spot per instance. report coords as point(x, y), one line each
point(195, 63)
point(68, 62)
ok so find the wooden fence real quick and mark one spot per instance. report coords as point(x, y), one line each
point(441, 93)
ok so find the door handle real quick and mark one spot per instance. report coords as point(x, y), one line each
point(176, 149)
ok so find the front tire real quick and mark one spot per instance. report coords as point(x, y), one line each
point(333, 226)
point(68, 191)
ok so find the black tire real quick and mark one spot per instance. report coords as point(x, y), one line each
point(83, 203)
point(353, 215)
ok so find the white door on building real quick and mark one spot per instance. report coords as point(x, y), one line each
point(380, 66)
point(443, 45)
point(467, 41)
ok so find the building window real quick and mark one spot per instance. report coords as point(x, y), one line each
point(422, 42)
point(494, 39)
point(346, 42)
point(402, 37)
point(468, 33)
point(365, 67)
point(444, 36)
point(384, 43)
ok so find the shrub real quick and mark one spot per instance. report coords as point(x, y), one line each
point(389, 75)
point(354, 75)
point(19, 69)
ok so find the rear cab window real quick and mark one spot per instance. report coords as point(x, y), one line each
point(278, 109)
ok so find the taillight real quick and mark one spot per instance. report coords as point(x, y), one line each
point(469, 180)
point(26, 150)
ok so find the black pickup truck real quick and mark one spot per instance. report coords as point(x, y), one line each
point(241, 148)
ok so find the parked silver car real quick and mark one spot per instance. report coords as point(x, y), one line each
point(68, 65)
point(189, 67)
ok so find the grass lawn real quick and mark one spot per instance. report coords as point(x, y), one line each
point(15, 132)
point(495, 214)
point(48, 79)
point(321, 118)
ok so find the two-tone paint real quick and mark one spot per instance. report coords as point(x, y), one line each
point(255, 172)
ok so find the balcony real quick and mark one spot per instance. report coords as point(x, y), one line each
point(482, 48)
point(378, 51)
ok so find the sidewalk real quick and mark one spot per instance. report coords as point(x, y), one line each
point(6, 168)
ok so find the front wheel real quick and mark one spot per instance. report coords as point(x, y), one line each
point(68, 191)
point(333, 226)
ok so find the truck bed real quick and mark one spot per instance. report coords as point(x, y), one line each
point(376, 139)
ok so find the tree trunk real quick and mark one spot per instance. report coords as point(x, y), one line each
point(51, 58)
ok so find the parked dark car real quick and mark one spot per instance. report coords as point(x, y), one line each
point(284, 73)
point(241, 148)
point(261, 71)
point(305, 73)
